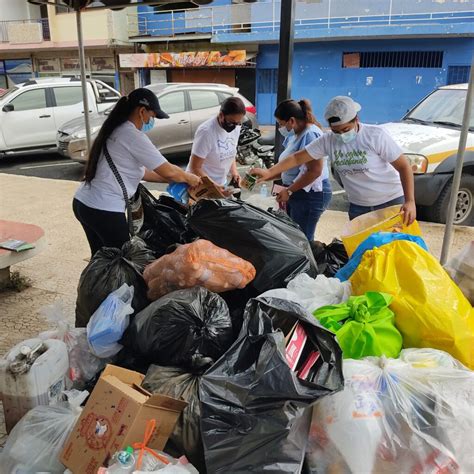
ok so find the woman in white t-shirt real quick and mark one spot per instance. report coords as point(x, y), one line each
point(215, 144)
point(373, 170)
point(99, 203)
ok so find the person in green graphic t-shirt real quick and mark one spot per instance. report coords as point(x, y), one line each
point(373, 170)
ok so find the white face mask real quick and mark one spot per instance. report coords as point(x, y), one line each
point(285, 132)
point(347, 137)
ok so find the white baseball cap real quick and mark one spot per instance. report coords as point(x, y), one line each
point(341, 109)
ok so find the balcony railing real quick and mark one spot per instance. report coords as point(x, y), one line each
point(6, 29)
point(265, 16)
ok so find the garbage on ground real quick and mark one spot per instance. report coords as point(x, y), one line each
point(430, 309)
point(164, 223)
point(461, 269)
point(389, 219)
point(277, 250)
point(329, 257)
point(108, 323)
point(186, 328)
point(114, 416)
point(255, 415)
point(32, 373)
point(312, 293)
point(35, 443)
point(407, 415)
point(107, 271)
point(375, 240)
point(83, 365)
point(364, 326)
point(200, 263)
point(177, 383)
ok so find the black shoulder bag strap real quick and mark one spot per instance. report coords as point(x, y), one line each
point(124, 190)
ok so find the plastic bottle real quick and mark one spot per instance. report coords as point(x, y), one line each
point(123, 462)
point(264, 190)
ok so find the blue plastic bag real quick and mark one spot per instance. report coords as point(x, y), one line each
point(375, 240)
point(179, 192)
point(108, 323)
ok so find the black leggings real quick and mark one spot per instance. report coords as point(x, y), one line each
point(102, 228)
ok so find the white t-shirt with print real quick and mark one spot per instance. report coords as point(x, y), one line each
point(363, 164)
point(132, 152)
point(217, 148)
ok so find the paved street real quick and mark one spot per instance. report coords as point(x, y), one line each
point(54, 166)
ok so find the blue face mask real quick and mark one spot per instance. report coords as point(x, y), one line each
point(146, 127)
point(285, 132)
point(347, 137)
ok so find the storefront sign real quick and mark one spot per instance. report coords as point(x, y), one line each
point(72, 65)
point(103, 64)
point(186, 59)
point(48, 65)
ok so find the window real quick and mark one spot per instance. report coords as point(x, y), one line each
point(203, 99)
point(30, 100)
point(458, 74)
point(61, 7)
point(173, 103)
point(398, 59)
point(67, 96)
point(267, 81)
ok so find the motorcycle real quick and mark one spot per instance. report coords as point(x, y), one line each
point(252, 148)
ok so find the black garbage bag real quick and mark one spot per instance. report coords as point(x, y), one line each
point(277, 249)
point(186, 437)
point(329, 257)
point(107, 271)
point(164, 223)
point(254, 409)
point(186, 328)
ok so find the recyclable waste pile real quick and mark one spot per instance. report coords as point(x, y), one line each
point(222, 341)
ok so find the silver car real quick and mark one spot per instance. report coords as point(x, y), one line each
point(187, 104)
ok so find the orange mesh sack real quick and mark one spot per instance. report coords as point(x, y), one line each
point(200, 263)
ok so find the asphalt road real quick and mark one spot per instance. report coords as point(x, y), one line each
point(53, 166)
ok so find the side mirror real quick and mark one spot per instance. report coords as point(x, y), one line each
point(8, 108)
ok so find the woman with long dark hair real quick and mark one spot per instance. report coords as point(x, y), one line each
point(307, 192)
point(122, 155)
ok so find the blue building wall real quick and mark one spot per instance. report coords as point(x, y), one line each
point(384, 93)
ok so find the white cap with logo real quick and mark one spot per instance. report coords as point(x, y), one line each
point(341, 109)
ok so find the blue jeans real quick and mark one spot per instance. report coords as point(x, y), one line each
point(305, 208)
point(356, 210)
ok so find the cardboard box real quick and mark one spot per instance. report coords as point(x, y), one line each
point(114, 417)
point(206, 190)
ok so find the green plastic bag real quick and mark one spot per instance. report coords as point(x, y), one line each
point(364, 326)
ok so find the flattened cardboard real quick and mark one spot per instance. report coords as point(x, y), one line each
point(116, 416)
point(206, 190)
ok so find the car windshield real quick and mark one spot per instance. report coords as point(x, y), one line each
point(6, 92)
point(442, 107)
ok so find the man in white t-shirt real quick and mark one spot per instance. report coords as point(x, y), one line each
point(215, 144)
point(372, 168)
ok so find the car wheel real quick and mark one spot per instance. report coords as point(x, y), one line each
point(464, 214)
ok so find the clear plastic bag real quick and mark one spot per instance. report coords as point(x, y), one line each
point(461, 269)
point(313, 293)
point(108, 323)
point(34, 445)
point(83, 365)
point(407, 415)
point(200, 263)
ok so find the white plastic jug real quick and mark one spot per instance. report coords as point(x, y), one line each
point(32, 373)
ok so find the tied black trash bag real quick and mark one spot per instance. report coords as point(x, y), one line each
point(329, 257)
point(186, 328)
point(164, 223)
point(186, 437)
point(254, 409)
point(107, 271)
point(277, 249)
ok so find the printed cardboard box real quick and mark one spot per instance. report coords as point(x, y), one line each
point(206, 190)
point(114, 417)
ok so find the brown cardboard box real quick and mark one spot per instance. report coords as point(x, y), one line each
point(114, 417)
point(206, 190)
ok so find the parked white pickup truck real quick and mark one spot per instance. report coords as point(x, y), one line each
point(32, 112)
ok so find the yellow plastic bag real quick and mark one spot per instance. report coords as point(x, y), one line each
point(388, 219)
point(430, 310)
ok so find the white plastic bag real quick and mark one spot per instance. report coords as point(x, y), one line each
point(36, 442)
point(313, 293)
point(83, 365)
point(108, 323)
point(407, 415)
point(461, 269)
